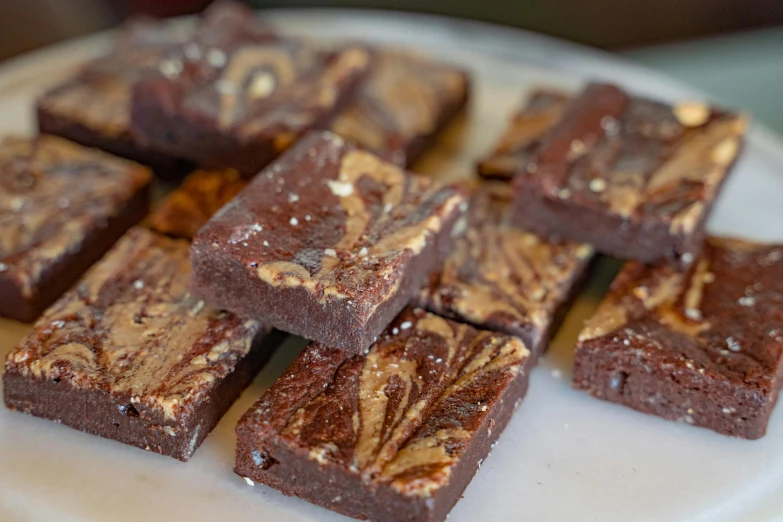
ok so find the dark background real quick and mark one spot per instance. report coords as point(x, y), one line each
point(609, 24)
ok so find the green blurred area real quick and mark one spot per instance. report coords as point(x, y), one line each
point(609, 24)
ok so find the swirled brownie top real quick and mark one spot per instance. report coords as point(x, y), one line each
point(502, 278)
point(347, 233)
point(131, 329)
point(702, 345)
point(189, 206)
point(637, 158)
point(515, 149)
point(402, 417)
point(254, 86)
point(54, 194)
point(404, 102)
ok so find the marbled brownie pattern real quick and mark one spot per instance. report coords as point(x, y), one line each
point(189, 206)
point(501, 278)
point(702, 345)
point(132, 354)
point(515, 149)
point(634, 177)
point(329, 242)
point(393, 435)
point(402, 105)
point(61, 207)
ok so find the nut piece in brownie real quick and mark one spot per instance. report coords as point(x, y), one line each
point(228, 99)
point(129, 355)
point(394, 435)
point(329, 243)
point(501, 278)
point(516, 147)
point(190, 206)
point(633, 177)
point(702, 346)
point(62, 206)
point(402, 105)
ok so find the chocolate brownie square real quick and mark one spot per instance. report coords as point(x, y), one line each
point(62, 206)
point(702, 345)
point(515, 150)
point(403, 104)
point(501, 278)
point(329, 243)
point(633, 177)
point(129, 355)
point(93, 106)
point(228, 99)
point(394, 435)
point(188, 208)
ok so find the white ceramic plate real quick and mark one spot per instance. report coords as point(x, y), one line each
point(564, 457)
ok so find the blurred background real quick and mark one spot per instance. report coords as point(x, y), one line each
point(732, 49)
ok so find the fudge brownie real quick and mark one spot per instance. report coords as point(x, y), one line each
point(62, 207)
point(516, 147)
point(93, 107)
point(402, 105)
point(190, 206)
point(504, 279)
point(129, 355)
point(329, 243)
point(702, 346)
point(393, 435)
point(228, 100)
point(633, 177)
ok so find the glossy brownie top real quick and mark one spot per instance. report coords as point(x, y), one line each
point(333, 219)
point(131, 329)
point(405, 413)
point(502, 278)
point(54, 193)
point(722, 317)
point(516, 147)
point(636, 158)
point(405, 97)
point(190, 205)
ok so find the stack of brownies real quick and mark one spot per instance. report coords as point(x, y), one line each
point(426, 304)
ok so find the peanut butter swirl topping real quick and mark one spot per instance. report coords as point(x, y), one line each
point(722, 315)
point(502, 278)
point(403, 415)
point(131, 329)
point(53, 193)
point(638, 159)
point(406, 97)
point(333, 220)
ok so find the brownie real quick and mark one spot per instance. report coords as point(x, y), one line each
point(394, 435)
point(514, 151)
point(129, 355)
point(183, 212)
point(229, 99)
point(633, 177)
point(93, 106)
point(329, 243)
point(501, 278)
point(402, 105)
point(62, 207)
point(702, 345)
